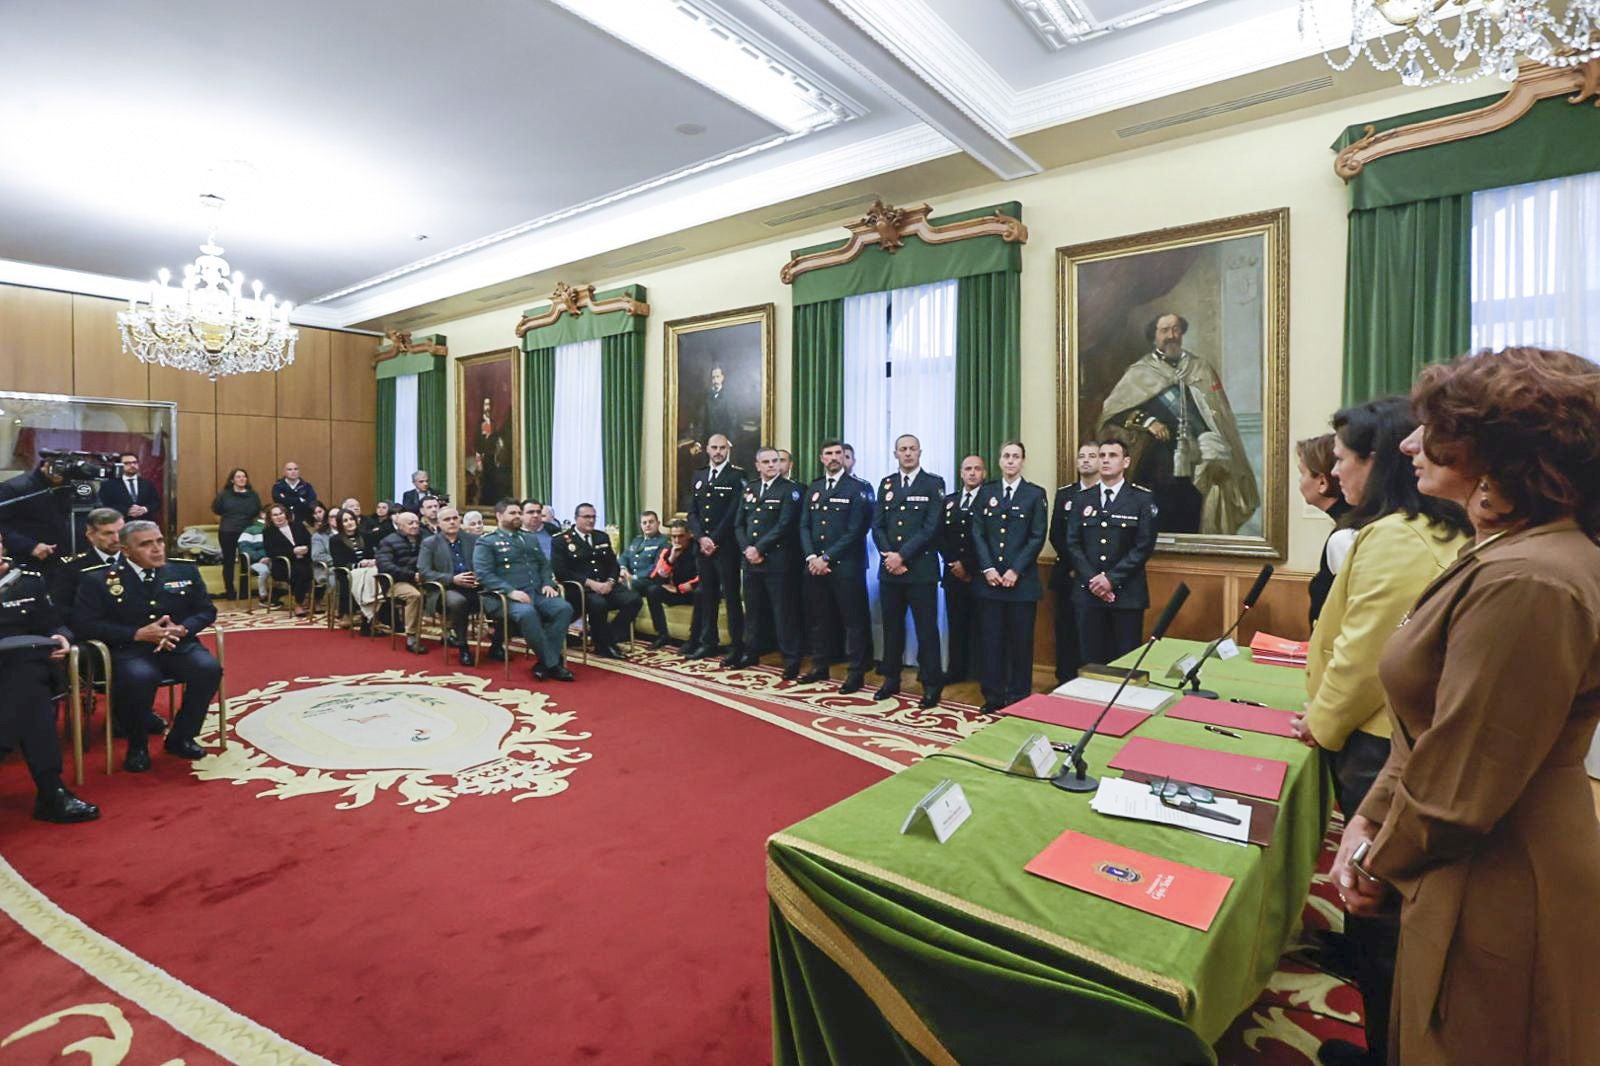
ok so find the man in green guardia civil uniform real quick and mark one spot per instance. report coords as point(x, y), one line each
point(509, 561)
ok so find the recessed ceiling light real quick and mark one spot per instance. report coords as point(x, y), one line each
point(690, 129)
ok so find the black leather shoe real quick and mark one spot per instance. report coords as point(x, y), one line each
point(184, 749)
point(155, 724)
point(497, 653)
point(559, 673)
point(366, 627)
point(732, 661)
point(660, 642)
point(930, 698)
point(466, 658)
point(59, 805)
point(414, 646)
point(696, 651)
point(617, 652)
point(887, 690)
point(138, 760)
point(819, 674)
point(852, 683)
point(609, 652)
point(791, 671)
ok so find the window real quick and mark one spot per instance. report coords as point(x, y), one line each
point(406, 440)
point(577, 462)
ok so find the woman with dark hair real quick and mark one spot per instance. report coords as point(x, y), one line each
point(320, 525)
point(1403, 541)
point(236, 506)
point(378, 524)
point(349, 551)
point(1319, 487)
point(1482, 820)
point(286, 538)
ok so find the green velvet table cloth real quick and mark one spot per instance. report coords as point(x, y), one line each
point(891, 948)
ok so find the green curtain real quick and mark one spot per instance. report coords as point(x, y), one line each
point(433, 427)
point(988, 363)
point(588, 326)
point(621, 425)
point(1408, 293)
point(384, 486)
point(539, 405)
point(817, 387)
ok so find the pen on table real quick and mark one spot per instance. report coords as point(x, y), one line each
point(1224, 732)
point(1247, 703)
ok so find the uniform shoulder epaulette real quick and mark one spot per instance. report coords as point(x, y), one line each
point(1138, 486)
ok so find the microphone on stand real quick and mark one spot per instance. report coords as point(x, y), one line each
point(1074, 777)
point(1192, 678)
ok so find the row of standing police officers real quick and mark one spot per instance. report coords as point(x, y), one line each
point(800, 551)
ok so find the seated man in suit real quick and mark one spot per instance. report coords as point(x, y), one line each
point(148, 612)
point(419, 491)
point(584, 554)
point(129, 494)
point(446, 557)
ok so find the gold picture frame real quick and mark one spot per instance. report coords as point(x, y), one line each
point(741, 344)
point(1226, 282)
point(496, 376)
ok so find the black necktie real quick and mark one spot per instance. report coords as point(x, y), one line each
point(905, 481)
point(133, 492)
point(966, 502)
point(830, 485)
point(1008, 493)
point(1107, 505)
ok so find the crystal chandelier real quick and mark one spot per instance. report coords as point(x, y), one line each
point(1487, 36)
point(207, 324)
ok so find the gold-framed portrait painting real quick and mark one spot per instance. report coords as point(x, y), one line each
point(488, 428)
point(719, 378)
point(1177, 341)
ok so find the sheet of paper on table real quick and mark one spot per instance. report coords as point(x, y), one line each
point(1121, 798)
point(1098, 692)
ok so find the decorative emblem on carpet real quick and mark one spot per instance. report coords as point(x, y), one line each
point(426, 739)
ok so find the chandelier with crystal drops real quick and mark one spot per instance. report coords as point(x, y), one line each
point(207, 324)
point(1484, 38)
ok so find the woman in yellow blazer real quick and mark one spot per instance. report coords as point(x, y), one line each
point(1403, 541)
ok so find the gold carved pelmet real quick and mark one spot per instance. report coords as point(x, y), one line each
point(574, 300)
point(888, 227)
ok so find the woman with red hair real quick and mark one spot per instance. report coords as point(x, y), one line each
point(1482, 820)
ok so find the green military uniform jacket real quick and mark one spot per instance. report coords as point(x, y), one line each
point(511, 562)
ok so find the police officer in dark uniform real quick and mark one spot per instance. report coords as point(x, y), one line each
point(1110, 537)
point(713, 509)
point(905, 529)
point(38, 528)
point(148, 612)
point(1062, 575)
point(27, 711)
point(1007, 533)
point(961, 568)
point(584, 554)
point(833, 531)
point(768, 533)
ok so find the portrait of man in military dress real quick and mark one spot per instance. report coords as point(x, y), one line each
point(486, 433)
point(718, 379)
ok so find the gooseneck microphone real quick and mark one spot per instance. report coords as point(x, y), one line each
point(1074, 777)
point(1192, 678)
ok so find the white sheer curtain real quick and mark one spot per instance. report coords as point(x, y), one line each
point(405, 433)
point(900, 377)
point(577, 461)
point(1536, 265)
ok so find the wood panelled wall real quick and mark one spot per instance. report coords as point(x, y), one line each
point(320, 411)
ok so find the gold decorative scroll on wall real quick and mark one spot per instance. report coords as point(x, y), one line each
point(887, 227)
point(397, 342)
point(574, 300)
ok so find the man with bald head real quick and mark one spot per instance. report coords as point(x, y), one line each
point(446, 558)
point(716, 493)
point(398, 556)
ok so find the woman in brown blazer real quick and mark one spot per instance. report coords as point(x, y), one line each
point(1482, 822)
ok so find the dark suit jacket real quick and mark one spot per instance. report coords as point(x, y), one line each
point(41, 520)
point(1060, 512)
point(69, 575)
point(1117, 543)
point(114, 494)
point(575, 560)
point(113, 604)
point(955, 539)
point(434, 559)
point(907, 521)
point(714, 504)
point(770, 522)
point(412, 500)
point(1009, 537)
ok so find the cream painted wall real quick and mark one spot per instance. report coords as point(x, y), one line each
point(1279, 162)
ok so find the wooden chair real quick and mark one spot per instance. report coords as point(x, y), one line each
point(482, 622)
point(102, 682)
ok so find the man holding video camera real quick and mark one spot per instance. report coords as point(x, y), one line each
point(35, 512)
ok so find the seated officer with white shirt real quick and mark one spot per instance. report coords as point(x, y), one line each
point(1111, 534)
point(148, 612)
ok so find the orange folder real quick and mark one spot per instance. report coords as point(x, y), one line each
point(1245, 774)
point(1161, 887)
point(1076, 714)
point(1233, 715)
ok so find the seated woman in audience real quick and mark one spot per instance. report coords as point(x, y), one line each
point(287, 539)
point(349, 551)
point(321, 527)
point(1319, 487)
point(236, 506)
point(1482, 823)
point(1403, 541)
point(253, 549)
point(378, 524)
point(472, 522)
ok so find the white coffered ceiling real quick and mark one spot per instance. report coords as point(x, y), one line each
point(521, 136)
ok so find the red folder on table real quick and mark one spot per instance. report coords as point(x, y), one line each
point(1076, 714)
point(1281, 651)
point(1233, 715)
point(1161, 887)
point(1245, 774)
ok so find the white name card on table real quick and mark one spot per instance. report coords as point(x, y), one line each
point(1034, 757)
point(942, 810)
point(1228, 649)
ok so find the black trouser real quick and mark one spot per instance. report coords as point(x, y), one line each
point(1370, 942)
point(299, 576)
point(138, 672)
point(922, 598)
point(620, 599)
point(719, 583)
point(1106, 632)
point(836, 603)
point(961, 614)
point(28, 717)
point(459, 604)
point(1006, 670)
point(770, 623)
point(659, 598)
point(1068, 648)
point(230, 546)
